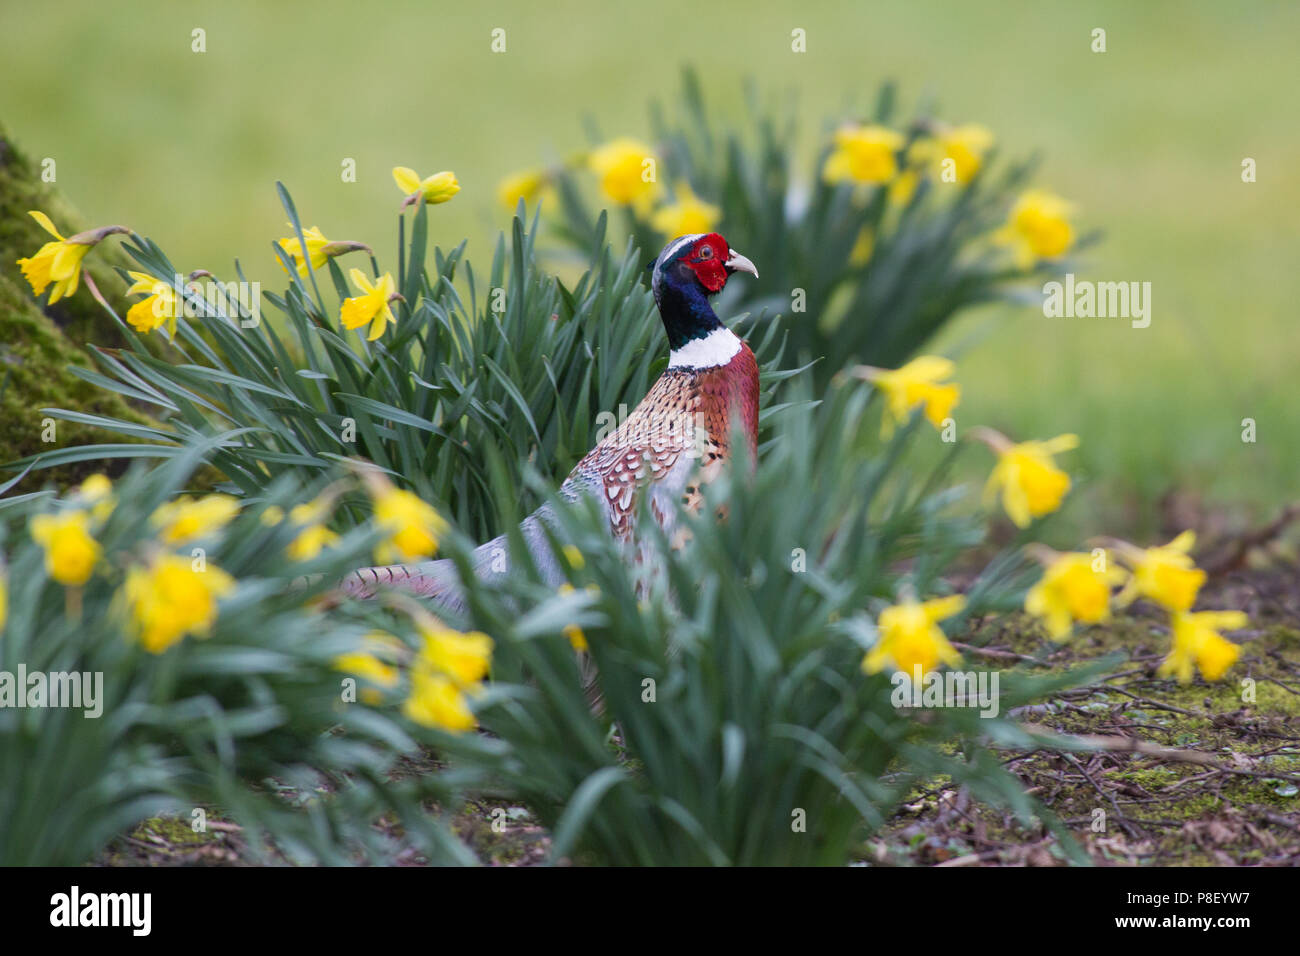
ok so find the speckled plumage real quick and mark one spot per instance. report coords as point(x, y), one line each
point(676, 440)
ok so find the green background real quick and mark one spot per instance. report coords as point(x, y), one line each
point(1148, 139)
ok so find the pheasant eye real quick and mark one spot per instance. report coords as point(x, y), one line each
point(706, 252)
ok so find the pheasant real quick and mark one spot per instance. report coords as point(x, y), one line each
point(672, 444)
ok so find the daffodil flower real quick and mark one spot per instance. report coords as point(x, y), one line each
point(1030, 483)
point(373, 663)
point(187, 519)
point(688, 215)
point(319, 250)
point(464, 657)
point(863, 154)
point(963, 147)
point(59, 262)
point(1037, 228)
point(918, 383)
point(621, 165)
point(1198, 643)
point(314, 536)
point(168, 599)
point(159, 306)
point(910, 637)
point(372, 306)
point(448, 669)
point(438, 188)
point(411, 526)
point(97, 493)
point(70, 552)
point(1166, 574)
point(1073, 589)
point(528, 185)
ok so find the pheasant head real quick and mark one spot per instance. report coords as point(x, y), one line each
point(687, 272)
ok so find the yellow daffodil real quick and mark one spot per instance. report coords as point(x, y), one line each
point(1197, 642)
point(918, 383)
point(159, 306)
point(168, 599)
point(438, 188)
point(863, 154)
point(70, 551)
point(910, 637)
point(188, 518)
point(97, 493)
point(960, 149)
point(447, 670)
point(59, 262)
point(1030, 482)
point(412, 526)
point(314, 536)
point(1070, 590)
point(1164, 574)
point(688, 215)
point(1038, 227)
point(528, 185)
point(464, 657)
point(319, 250)
point(435, 701)
point(622, 166)
point(373, 663)
point(316, 243)
point(372, 306)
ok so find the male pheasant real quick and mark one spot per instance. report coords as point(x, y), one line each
point(675, 441)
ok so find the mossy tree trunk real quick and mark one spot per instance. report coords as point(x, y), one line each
point(38, 345)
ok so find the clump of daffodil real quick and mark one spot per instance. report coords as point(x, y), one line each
point(1075, 586)
point(528, 185)
point(624, 166)
point(1165, 574)
point(160, 304)
point(863, 154)
point(688, 215)
point(1198, 643)
point(59, 262)
point(411, 526)
point(373, 306)
point(1030, 483)
point(96, 492)
point(910, 637)
point(1037, 228)
point(71, 552)
point(448, 669)
point(438, 188)
point(375, 663)
point(167, 599)
point(186, 519)
point(954, 153)
point(319, 250)
point(918, 383)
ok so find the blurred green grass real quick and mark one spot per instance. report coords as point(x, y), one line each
point(1147, 138)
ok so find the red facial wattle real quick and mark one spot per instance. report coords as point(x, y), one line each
point(707, 259)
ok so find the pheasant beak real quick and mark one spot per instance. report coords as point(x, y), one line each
point(738, 263)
